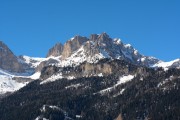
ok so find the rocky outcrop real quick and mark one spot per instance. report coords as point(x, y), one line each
point(101, 44)
point(93, 37)
point(86, 52)
point(104, 67)
point(46, 63)
point(48, 71)
point(90, 69)
point(73, 45)
point(8, 61)
point(56, 50)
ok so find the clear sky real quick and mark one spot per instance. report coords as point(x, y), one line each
point(31, 27)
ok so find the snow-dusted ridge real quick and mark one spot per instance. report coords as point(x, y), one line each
point(107, 48)
point(7, 81)
point(7, 84)
point(33, 61)
point(167, 65)
point(92, 51)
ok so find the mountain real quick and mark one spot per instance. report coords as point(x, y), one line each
point(80, 49)
point(72, 45)
point(79, 52)
point(56, 50)
point(8, 61)
point(16, 71)
point(95, 78)
point(91, 50)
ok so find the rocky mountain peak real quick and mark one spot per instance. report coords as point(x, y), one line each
point(99, 37)
point(56, 50)
point(103, 36)
point(4, 47)
point(72, 45)
point(94, 37)
point(8, 61)
point(98, 46)
point(104, 40)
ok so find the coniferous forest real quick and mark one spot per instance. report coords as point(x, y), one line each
point(152, 96)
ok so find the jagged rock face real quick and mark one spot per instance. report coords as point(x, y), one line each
point(98, 46)
point(45, 63)
point(109, 48)
point(48, 71)
point(8, 61)
point(93, 49)
point(101, 45)
point(104, 67)
point(73, 45)
point(56, 50)
point(104, 38)
point(93, 37)
point(89, 69)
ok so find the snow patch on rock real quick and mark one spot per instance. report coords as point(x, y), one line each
point(125, 79)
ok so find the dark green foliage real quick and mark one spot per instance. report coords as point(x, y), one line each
point(142, 98)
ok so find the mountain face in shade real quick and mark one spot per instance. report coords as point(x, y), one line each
point(8, 61)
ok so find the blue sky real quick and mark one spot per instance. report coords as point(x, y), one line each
point(31, 27)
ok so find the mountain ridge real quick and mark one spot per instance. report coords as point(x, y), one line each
point(108, 47)
point(74, 53)
point(95, 78)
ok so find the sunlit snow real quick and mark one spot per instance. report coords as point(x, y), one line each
point(166, 65)
point(122, 79)
point(7, 84)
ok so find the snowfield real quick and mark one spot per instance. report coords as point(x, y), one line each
point(7, 84)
